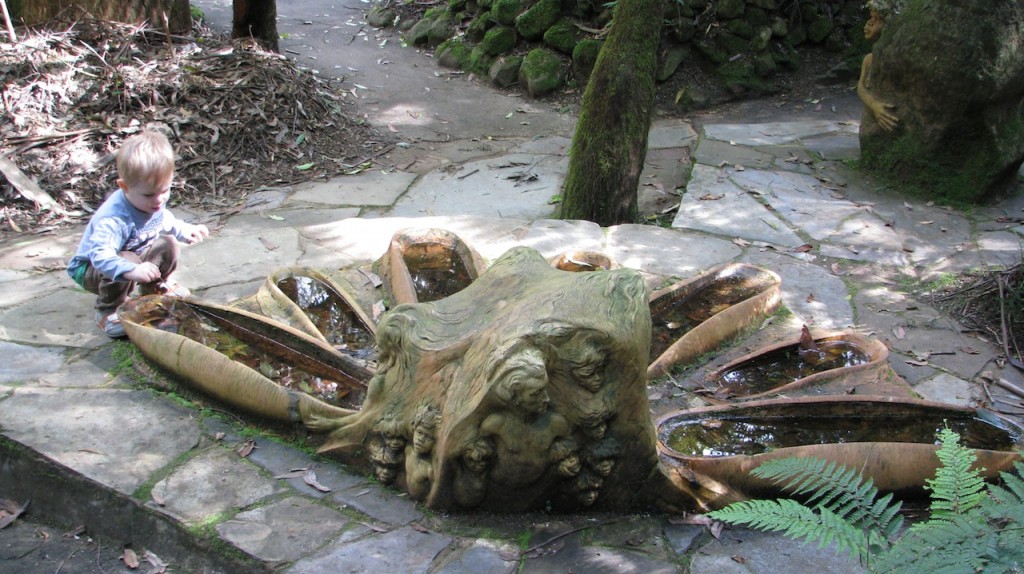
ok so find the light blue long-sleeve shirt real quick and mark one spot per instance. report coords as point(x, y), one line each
point(118, 226)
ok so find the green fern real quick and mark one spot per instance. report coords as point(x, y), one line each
point(840, 507)
point(956, 488)
point(972, 528)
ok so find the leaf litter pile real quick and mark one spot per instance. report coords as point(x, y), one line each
point(240, 119)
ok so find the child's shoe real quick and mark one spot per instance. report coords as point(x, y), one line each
point(111, 325)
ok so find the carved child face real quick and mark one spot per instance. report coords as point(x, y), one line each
point(394, 442)
point(531, 393)
point(873, 27)
point(385, 474)
point(423, 439)
point(570, 465)
point(589, 371)
point(477, 458)
point(604, 466)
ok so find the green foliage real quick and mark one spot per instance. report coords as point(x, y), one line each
point(973, 527)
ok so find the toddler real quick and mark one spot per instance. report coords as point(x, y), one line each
point(133, 238)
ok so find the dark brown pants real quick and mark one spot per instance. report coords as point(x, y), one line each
point(163, 253)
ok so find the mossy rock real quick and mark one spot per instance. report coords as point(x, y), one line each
point(757, 17)
point(504, 12)
point(670, 61)
point(381, 16)
point(797, 35)
point(504, 72)
point(765, 4)
point(729, 9)
point(480, 61)
point(740, 79)
point(442, 29)
point(456, 6)
point(563, 36)
point(682, 29)
point(532, 23)
point(584, 56)
point(731, 43)
point(479, 26)
point(420, 32)
point(542, 72)
point(453, 53)
point(498, 40)
point(712, 51)
point(740, 28)
point(485, 4)
point(435, 12)
point(761, 39)
point(780, 28)
point(819, 29)
point(764, 65)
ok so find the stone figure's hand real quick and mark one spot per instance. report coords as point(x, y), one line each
point(884, 116)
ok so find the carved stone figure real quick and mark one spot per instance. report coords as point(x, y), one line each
point(518, 363)
point(883, 111)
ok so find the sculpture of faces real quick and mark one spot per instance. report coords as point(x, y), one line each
point(424, 430)
point(588, 369)
point(524, 382)
point(477, 456)
point(390, 430)
point(565, 454)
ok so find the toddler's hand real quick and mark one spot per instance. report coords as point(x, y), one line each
point(198, 233)
point(143, 273)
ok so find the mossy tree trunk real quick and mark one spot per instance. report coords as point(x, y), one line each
point(610, 145)
point(256, 19)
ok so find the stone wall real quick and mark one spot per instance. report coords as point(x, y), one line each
point(745, 43)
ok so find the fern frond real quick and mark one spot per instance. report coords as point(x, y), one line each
point(956, 488)
point(797, 521)
point(839, 489)
point(958, 544)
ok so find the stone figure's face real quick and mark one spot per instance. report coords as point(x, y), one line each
point(873, 27)
point(570, 465)
point(395, 442)
point(604, 466)
point(385, 474)
point(588, 373)
point(530, 389)
point(423, 439)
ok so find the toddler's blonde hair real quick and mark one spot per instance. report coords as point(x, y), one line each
point(145, 157)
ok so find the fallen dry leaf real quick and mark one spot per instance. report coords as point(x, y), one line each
point(10, 511)
point(916, 363)
point(969, 350)
point(159, 566)
point(803, 248)
point(130, 558)
point(310, 479)
point(899, 332)
point(740, 241)
point(247, 447)
point(709, 197)
point(266, 243)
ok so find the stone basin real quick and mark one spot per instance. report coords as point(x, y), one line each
point(694, 316)
point(180, 336)
point(319, 305)
point(847, 362)
point(709, 452)
point(423, 265)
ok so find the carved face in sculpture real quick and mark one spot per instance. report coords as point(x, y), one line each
point(424, 430)
point(477, 457)
point(525, 382)
point(570, 465)
point(873, 27)
point(588, 369)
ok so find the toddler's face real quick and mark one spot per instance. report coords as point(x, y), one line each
point(873, 27)
point(149, 196)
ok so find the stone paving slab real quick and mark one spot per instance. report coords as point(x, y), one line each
point(108, 435)
point(211, 483)
point(372, 188)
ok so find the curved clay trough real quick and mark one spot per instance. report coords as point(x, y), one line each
point(205, 344)
point(839, 362)
point(709, 452)
point(319, 305)
point(695, 316)
point(423, 265)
